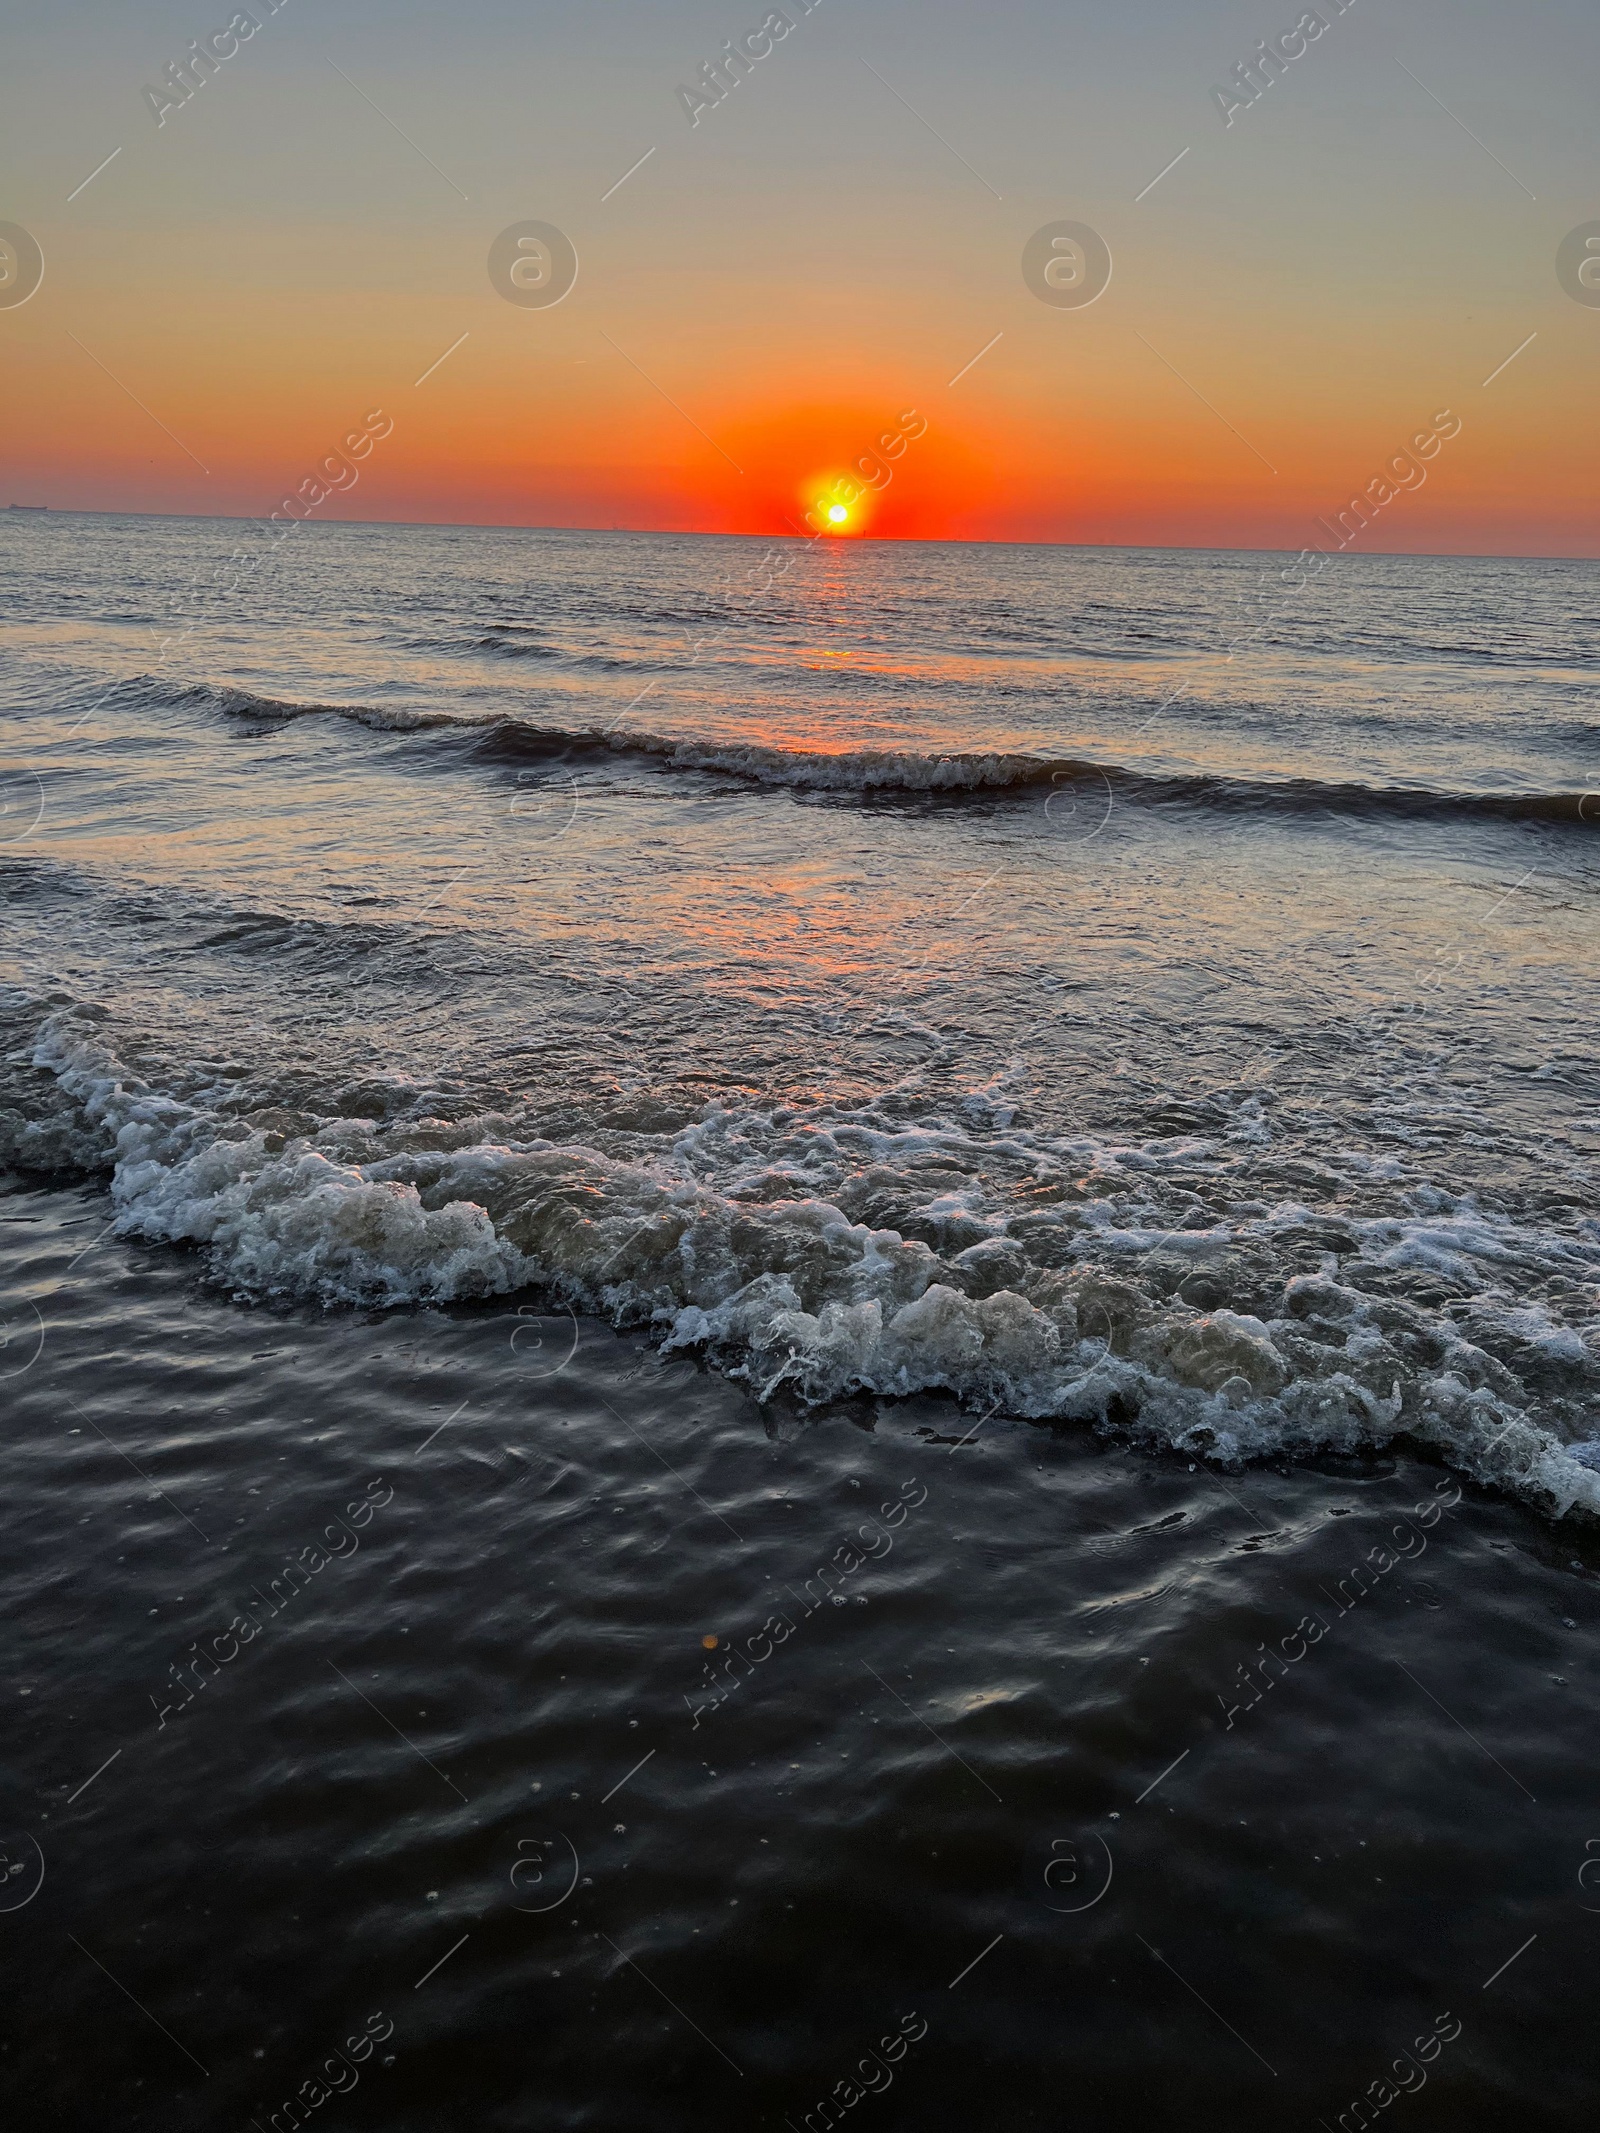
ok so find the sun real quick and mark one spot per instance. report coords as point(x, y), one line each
point(836, 504)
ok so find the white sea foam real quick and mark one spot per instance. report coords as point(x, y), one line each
point(850, 1252)
point(298, 1223)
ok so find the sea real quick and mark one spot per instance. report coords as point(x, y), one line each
point(745, 1118)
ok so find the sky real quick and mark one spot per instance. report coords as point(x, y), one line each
point(824, 268)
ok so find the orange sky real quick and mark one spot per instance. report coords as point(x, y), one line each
point(773, 288)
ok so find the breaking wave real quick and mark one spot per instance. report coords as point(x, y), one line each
point(887, 771)
point(821, 1254)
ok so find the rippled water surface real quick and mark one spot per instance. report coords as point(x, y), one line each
point(1008, 1134)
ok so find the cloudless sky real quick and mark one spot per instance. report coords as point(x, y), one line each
point(1289, 305)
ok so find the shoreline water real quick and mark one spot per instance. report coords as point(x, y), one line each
point(476, 1749)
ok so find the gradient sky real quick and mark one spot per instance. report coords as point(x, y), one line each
point(1293, 301)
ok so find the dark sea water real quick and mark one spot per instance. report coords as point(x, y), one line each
point(1010, 1134)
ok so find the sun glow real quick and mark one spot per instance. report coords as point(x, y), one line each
point(837, 514)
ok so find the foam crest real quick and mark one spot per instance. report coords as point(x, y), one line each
point(821, 1256)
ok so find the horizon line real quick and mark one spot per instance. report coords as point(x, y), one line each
point(227, 518)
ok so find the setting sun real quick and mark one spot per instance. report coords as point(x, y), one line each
point(837, 515)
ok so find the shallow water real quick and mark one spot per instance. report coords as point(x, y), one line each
point(479, 1729)
point(1057, 1087)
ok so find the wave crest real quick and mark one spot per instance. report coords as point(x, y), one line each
point(870, 1285)
point(888, 772)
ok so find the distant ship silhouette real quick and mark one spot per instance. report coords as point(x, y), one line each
point(27, 507)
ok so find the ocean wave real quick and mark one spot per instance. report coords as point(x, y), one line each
point(887, 772)
point(864, 770)
point(523, 645)
point(518, 645)
point(821, 1257)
